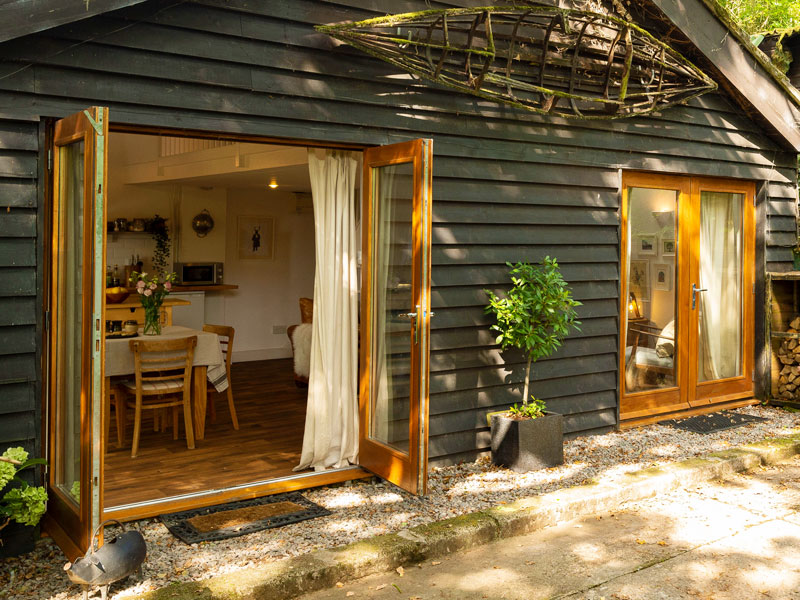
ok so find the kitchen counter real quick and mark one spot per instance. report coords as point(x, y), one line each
point(222, 287)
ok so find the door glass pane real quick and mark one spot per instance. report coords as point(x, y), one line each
point(392, 300)
point(719, 353)
point(651, 275)
point(69, 320)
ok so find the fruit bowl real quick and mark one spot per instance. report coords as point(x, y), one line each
point(116, 297)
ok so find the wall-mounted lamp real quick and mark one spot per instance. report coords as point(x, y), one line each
point(633, 307)
point(273, 183)
point(665, 218)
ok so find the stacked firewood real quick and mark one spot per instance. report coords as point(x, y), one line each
point(789, 357)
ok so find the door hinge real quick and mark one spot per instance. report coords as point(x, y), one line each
point(754, 288)
point(753, 378)
point(49, 160)
point(47, 320)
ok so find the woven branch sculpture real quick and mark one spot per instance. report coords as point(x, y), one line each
point(565, 62)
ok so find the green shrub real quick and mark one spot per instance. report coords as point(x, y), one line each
point(21, 502)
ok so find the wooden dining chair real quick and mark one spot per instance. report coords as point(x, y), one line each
point(225, 334)
point(163, 370)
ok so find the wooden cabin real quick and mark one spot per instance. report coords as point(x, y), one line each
point(128, 109)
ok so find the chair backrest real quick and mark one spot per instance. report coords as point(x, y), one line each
point(163, 360)
point(306, 310)
point(225, 334)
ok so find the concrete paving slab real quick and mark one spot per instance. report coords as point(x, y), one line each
point(769, 490)
point(761, 562)
point(685, 544)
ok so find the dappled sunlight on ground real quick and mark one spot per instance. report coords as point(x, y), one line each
point(370, 507)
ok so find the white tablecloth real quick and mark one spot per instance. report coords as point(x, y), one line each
point(119, 357)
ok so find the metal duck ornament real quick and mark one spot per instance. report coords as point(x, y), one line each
point(118, 558)
point(546, 59)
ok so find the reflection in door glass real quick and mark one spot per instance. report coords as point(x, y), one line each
point(651, 275)
point(392, 301)
point(720, 305)
point(69, 320)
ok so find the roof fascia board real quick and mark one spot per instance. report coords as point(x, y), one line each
point(23, 17)
point(742, 64)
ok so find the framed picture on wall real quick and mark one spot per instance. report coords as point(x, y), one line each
point(256, 237)
point(668, 247)
point(662, 277)
point(639, 279)
point(647, 244)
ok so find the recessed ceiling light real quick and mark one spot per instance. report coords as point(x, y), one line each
point(273, 183)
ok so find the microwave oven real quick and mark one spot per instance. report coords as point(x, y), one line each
point(197, 273)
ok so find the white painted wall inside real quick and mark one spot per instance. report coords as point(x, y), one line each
point(189, 246)
point(269, 290)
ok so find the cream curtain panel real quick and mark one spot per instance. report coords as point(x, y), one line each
point(721, 273)
point(331, 430)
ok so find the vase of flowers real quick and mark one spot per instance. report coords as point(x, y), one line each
point(152, 290)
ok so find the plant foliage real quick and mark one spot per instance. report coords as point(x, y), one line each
point(760, 16)
point(535, 315)
point(21, 502)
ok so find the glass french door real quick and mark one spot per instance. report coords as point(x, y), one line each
point(76, 332)
point(395, 318)
point(688, 287)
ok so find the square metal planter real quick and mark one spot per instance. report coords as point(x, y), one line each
point(17, 539)
point(528, 444)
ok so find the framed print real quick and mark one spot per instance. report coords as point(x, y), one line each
point(639, 279)
point(662, 277)
point(256, 237)
point(647, 244)
point(668, 247)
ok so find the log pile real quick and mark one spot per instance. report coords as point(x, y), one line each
point(789, 357)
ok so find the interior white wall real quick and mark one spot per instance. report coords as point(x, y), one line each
point(134, 201)
point(189, 246)
point(266, 302)
point(660, 306)
point(267, 299)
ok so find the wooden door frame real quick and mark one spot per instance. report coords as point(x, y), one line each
point(407, 471)
point(722, 394)
point(247, 490)
point(73, 536)
point(742, 385)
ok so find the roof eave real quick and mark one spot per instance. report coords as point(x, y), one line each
point(748, 70)
point(23, 17)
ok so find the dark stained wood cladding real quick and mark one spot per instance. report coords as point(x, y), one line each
point(508, 185)
point(20, 278)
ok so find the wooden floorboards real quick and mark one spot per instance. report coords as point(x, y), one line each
point(271, 411)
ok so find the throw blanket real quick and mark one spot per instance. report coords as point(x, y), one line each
point(302, 349)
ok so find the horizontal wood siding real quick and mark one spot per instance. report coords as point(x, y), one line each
point(508, 185)
point(20, 303)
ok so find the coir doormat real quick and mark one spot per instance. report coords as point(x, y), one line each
point(713, 422)
point(230, 520)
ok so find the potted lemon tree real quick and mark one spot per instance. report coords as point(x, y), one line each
point(535, 316)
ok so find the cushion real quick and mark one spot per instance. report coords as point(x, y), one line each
point(647, 357)
point(306, 310)
point(161, 387)
point(665, 345)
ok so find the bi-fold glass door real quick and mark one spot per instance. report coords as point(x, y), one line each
point(76, 339)
point(688, 285)
point(396, 222)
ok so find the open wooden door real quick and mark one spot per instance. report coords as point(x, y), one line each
point(75, 351)
point(395, 313)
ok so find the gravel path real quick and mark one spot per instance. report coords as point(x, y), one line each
point(366, 508)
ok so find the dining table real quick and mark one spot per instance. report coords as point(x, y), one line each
point(208, 365)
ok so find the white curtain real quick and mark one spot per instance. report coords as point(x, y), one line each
point(719, 355)
point(331, 432)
